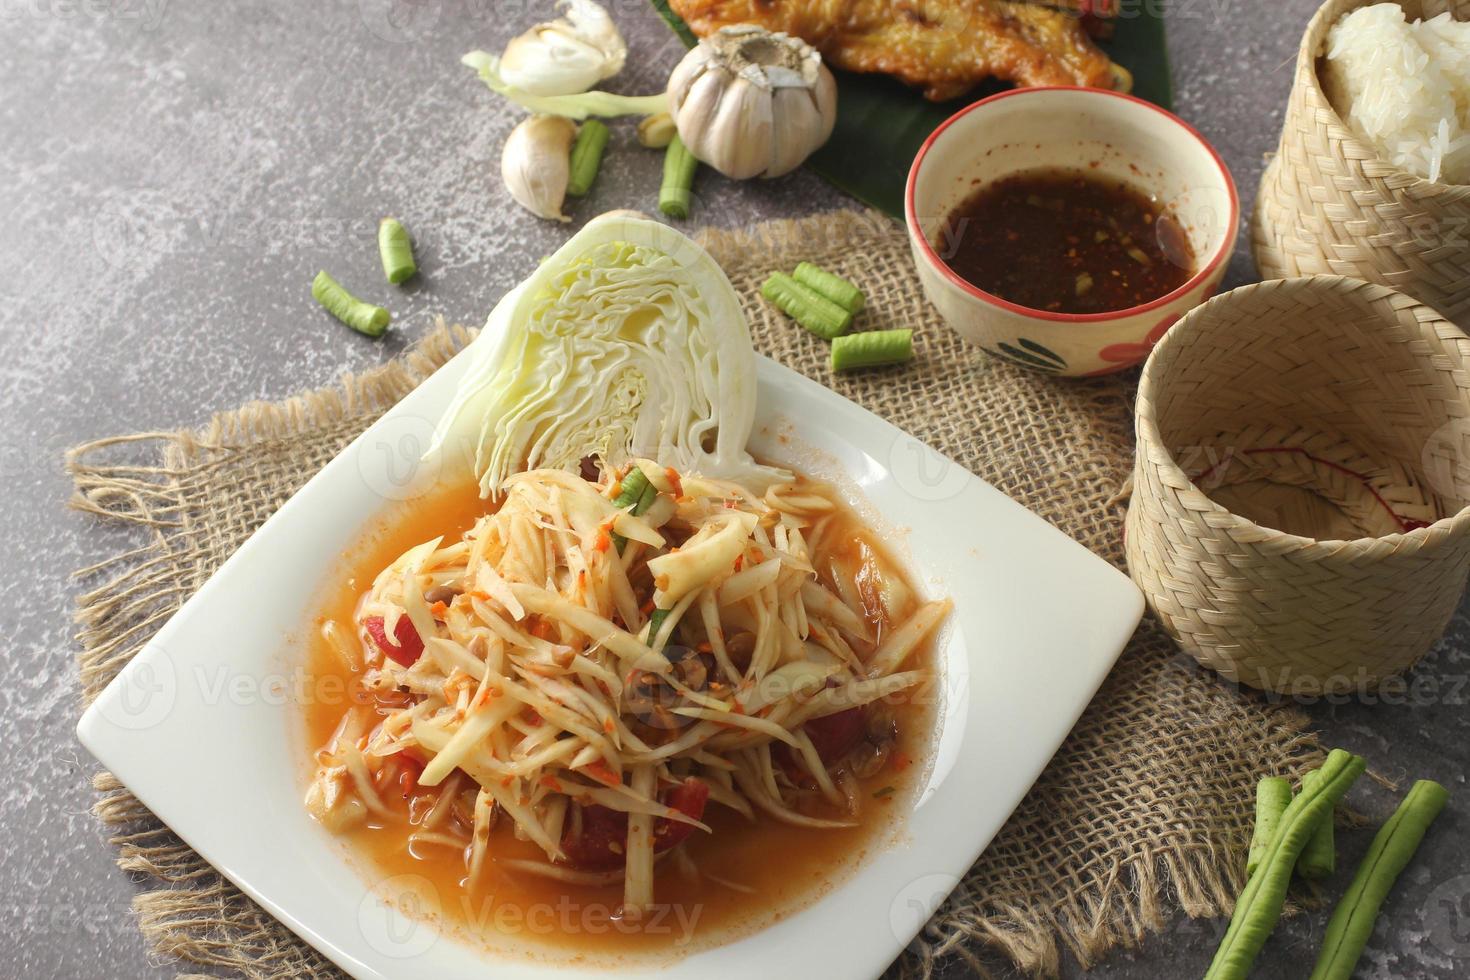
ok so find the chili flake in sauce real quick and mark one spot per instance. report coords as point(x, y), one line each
point(1067, 241)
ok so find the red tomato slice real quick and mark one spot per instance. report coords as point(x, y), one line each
point(833, 736)
point(604, 835)
point(409, 646)
point(689, 798)
point(605, 831)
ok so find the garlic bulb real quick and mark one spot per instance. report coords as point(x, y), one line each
point(536, 164)
point(567, 55)
point(749, 102)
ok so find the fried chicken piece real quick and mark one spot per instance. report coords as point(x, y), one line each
point(944, 46)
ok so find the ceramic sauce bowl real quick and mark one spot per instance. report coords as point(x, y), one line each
point(1109, 134)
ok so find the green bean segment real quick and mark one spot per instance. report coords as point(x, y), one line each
point(396, 251)
point(363, 317)
point(1393, 847)
point(676, 193)
point(587, 156)
point(636, 492)
point(1259, 905)
point(656, 622)
point(830, 285)
point(631, 489)
point(1273, 795)
point(807, 307)
point(872, 349)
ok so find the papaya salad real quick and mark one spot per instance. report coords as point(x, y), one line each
point(618, 651)
point(599, 661)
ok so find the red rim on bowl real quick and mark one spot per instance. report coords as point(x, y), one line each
point(1220, 255)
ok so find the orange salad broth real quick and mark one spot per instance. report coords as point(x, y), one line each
point(772, 869)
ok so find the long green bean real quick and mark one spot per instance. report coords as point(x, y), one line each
point(1273, 795)
point(1319, 857)
point(1352, 921)
point(1259, 905)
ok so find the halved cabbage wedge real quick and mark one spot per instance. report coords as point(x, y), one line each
point(628, 341)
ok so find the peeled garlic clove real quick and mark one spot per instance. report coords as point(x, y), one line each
point(536, 164)
point(565, 56)
point(656, 131)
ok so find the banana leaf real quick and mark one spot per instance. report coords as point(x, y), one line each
point(881, 123)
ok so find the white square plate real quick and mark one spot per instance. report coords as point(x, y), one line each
point(203, 728)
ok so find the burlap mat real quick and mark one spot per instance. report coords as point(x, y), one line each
point(1146, 808)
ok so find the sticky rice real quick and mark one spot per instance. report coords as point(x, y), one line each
point(1405, 87)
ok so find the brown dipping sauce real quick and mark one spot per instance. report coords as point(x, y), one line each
point(1067, 241)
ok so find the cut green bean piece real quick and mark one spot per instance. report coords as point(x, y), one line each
point(872, 349)
point(645, 500)
point(1319, 857)
point(587, 156)
point(1259, 905)
point(631, 489)
point(807, 307)
point(363, 317)
point(637, 493)
point(1273, 795)
point(830, 285)
point(679, 166)
point(656, 622)
point(396, 251)
point(1390, 852)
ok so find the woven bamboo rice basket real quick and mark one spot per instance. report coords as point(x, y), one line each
point(1329, 204)
point(1299, 514)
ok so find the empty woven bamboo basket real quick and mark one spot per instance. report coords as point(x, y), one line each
point(1299, 515)
point(1329, 204)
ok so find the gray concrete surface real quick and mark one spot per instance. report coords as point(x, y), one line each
point(174, 174)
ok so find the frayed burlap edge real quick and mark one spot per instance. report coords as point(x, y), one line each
point(152, 496)
point(201, 918)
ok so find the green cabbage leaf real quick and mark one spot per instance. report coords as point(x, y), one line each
point(628, 341)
